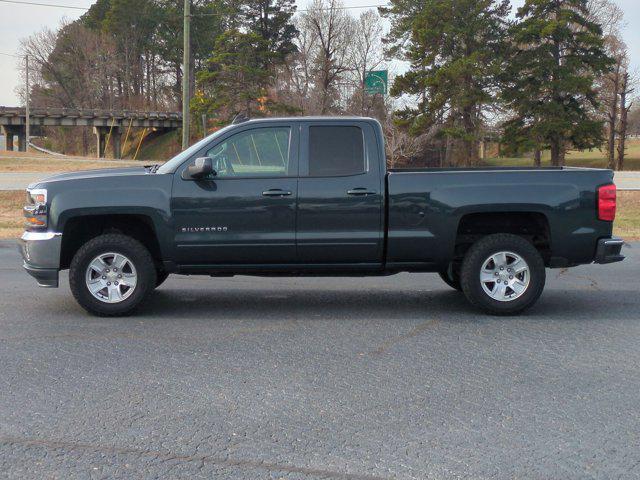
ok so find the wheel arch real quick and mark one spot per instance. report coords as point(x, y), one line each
point(79, 229)
point(531, 225)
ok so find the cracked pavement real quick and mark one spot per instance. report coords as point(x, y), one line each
point(322, 378)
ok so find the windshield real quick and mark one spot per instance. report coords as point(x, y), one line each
point(171, 165)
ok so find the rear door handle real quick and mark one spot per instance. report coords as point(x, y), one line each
point(363, 192)
point(276, 192)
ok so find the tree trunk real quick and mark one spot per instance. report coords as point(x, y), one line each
point(613, 117)
point(624, 111)
point(537, 158)
point(470, 142)
point(555, 152)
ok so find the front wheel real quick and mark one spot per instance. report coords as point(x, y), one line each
point(502, 274)
point(111, 275)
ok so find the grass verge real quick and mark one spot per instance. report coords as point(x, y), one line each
point(14, 164)
point(574, 158)
point(627, 223)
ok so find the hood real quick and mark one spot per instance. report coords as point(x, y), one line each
point(97, 173)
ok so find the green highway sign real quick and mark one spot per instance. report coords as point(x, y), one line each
point(376, 81)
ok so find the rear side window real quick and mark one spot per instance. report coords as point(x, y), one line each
point(336, 151)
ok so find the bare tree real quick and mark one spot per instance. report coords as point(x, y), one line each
point(367, 54)
point(626, 89)
point(610, 89)
point(334, 29)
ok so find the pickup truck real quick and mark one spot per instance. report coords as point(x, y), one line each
point(313, 196)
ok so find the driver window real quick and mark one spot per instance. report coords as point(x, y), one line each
point(253, 153)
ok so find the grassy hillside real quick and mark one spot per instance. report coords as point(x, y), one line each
point(155, 146)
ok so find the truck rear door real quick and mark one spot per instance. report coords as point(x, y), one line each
point(339, 217)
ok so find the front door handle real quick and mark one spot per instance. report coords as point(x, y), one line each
point(362, 192)
point(276, 192)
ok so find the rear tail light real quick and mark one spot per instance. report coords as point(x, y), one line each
point(607, 203)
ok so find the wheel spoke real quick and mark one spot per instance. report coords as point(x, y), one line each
point(499, 291)
point(487, 276)
point(98, 265)
point(128, 280)
point(115, 295)
point(500, 259)
point(96, 286)
point(519, 266)
point(119, 261)
point(518, 286)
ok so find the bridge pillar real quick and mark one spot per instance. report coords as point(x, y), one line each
point(22, 140)
point(101, 140)
point(12, 130)
point(116, 142)
point(8, 133)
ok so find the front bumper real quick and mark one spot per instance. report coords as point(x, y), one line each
point(608, 250)
point(41, 255)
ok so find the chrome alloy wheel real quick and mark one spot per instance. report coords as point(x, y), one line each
point(111, 277)
point(505, 276)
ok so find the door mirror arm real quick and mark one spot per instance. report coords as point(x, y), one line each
point(201, 168)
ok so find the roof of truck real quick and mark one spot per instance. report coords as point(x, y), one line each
point(310, 118)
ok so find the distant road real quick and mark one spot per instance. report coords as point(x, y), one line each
point(628, 180)
point(19, 181)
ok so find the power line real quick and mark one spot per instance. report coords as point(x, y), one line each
point(38, 4)
point(11, 55)
point(302, 10)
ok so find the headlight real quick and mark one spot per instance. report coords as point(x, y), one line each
point(35, 212)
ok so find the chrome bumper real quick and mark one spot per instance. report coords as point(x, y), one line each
point(41, 255)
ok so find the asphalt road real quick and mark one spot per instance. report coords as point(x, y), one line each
point(20, 180)
point(256, 378)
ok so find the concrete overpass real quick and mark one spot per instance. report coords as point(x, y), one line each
point(107, 125)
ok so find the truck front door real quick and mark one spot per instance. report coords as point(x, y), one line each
point(245, 213)
point(340, 194)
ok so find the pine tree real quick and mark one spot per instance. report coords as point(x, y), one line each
point(455, 50)
point(235, 80)
point(557, 55)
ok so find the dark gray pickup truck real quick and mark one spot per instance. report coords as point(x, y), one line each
point(312, 196)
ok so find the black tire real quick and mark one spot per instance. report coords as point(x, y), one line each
point(161, 276)
point(475, 259)
point(451, 277)
point(114, 243)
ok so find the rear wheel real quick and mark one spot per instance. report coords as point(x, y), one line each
point(111, 275)
point(503, 274)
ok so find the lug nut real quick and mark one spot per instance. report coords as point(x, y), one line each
point(119, 275)
point(501, 268)
point(496, 274)
point(104, 277)
point(115, 283)
point(108, 284)
point(510, 277)
point(107, 270)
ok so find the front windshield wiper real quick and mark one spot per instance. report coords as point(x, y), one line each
point(153, 168)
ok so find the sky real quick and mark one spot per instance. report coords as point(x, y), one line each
point(20, 21)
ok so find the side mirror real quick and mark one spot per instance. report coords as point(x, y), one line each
point(201, 168)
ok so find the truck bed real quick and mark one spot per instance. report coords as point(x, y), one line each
point(427, 206)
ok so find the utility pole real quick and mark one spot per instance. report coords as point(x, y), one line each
point(186, 74)
point(26, 110)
